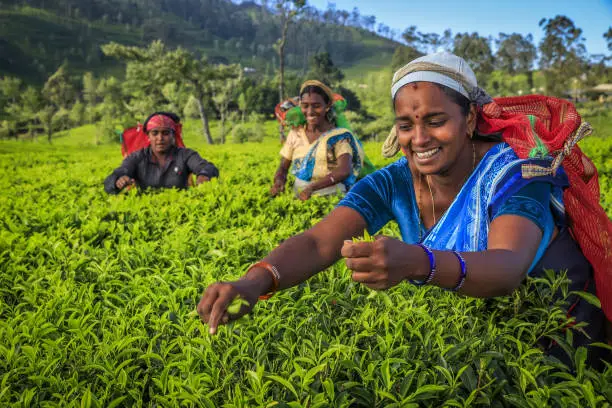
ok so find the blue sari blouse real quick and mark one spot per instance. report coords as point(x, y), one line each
point(496, 187)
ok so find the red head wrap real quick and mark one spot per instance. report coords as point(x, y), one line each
point(161, 121)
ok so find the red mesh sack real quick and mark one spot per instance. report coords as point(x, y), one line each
point(535, 123)
point(135, 138)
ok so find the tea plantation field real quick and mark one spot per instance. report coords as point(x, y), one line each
point(98, 296)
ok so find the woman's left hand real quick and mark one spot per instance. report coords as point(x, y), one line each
point(305, 194)
point(202, 179)
point(383, 263)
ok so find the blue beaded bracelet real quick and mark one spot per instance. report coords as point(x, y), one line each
point(463, 274)
point(432, 267)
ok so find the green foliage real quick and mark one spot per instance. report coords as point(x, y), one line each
point(38, 40)
point(562, 53)
point(476, 50)
point(243, 133)
point(608, 36)
point(58, 90)
point(160, 78)
point(10, 88)
point(373, 101)
point(251, 131)
point(77, 114)
point(191, 108)
point(427, 42)
point(365, 238)
point(322, 68)
point(98, 292)
point(501, 83)
point(240, 134)
point(402, 56)
point(515, 53)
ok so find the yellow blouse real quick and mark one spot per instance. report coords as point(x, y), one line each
point(297, 146)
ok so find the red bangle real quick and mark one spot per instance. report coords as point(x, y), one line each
point(275, 277)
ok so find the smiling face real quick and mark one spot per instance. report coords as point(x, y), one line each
point(314, 109)
point(432, 129)
point(161, 139)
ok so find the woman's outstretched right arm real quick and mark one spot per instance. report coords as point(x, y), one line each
point(280, 177)
point(123, 175)
point(296, 259)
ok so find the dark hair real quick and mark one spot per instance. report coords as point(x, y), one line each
point(317, 90)
point(457, 98)
point(176, 118)
point(465, 104)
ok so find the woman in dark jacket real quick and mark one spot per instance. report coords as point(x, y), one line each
point(162, 164)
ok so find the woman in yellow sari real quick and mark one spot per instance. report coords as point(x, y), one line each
point(327, 158)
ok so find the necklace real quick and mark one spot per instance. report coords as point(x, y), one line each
point(433, 204)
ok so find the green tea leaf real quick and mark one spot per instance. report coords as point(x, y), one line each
point(589, 297)
point(236, 305)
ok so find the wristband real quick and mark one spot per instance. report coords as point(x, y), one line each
point(273, 272)
point(463, 273)
point(432, 267)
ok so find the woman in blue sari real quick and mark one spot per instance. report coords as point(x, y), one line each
point(470, 222)
point(326, 157)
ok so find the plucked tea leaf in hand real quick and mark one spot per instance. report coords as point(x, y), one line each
point(236, 305)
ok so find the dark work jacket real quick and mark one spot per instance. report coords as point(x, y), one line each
point(143, 167)
point(564, 254)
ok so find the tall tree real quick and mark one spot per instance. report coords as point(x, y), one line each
point(369, 22)
point(426, 42)
point(111, 109)
point(598, 70)
point(90, 96)
point(10, 88)
point(155, 66)
point(10, 91)
point(608, 36)
point(59, 93)
point(412, 37)
point(562, 53)
point(58, 90)
point(477, 52)
point(29, 104)
point(403, 55)
point(224, 92)
point(515, 53)
point(322, 68)
point(288, 10)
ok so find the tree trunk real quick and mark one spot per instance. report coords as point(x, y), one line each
point(530, 80)
point(223, 127)
point(205, 127)
point(305, 62)
point(281, 71)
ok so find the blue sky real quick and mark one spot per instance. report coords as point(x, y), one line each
point(489, 17)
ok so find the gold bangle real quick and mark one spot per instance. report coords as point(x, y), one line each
point(275, 277)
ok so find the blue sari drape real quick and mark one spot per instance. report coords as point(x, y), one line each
point(313, 165)
point(388, 194)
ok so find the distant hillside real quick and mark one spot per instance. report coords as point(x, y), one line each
point(35, 41)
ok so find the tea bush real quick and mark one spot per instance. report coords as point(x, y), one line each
point(98, 296)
